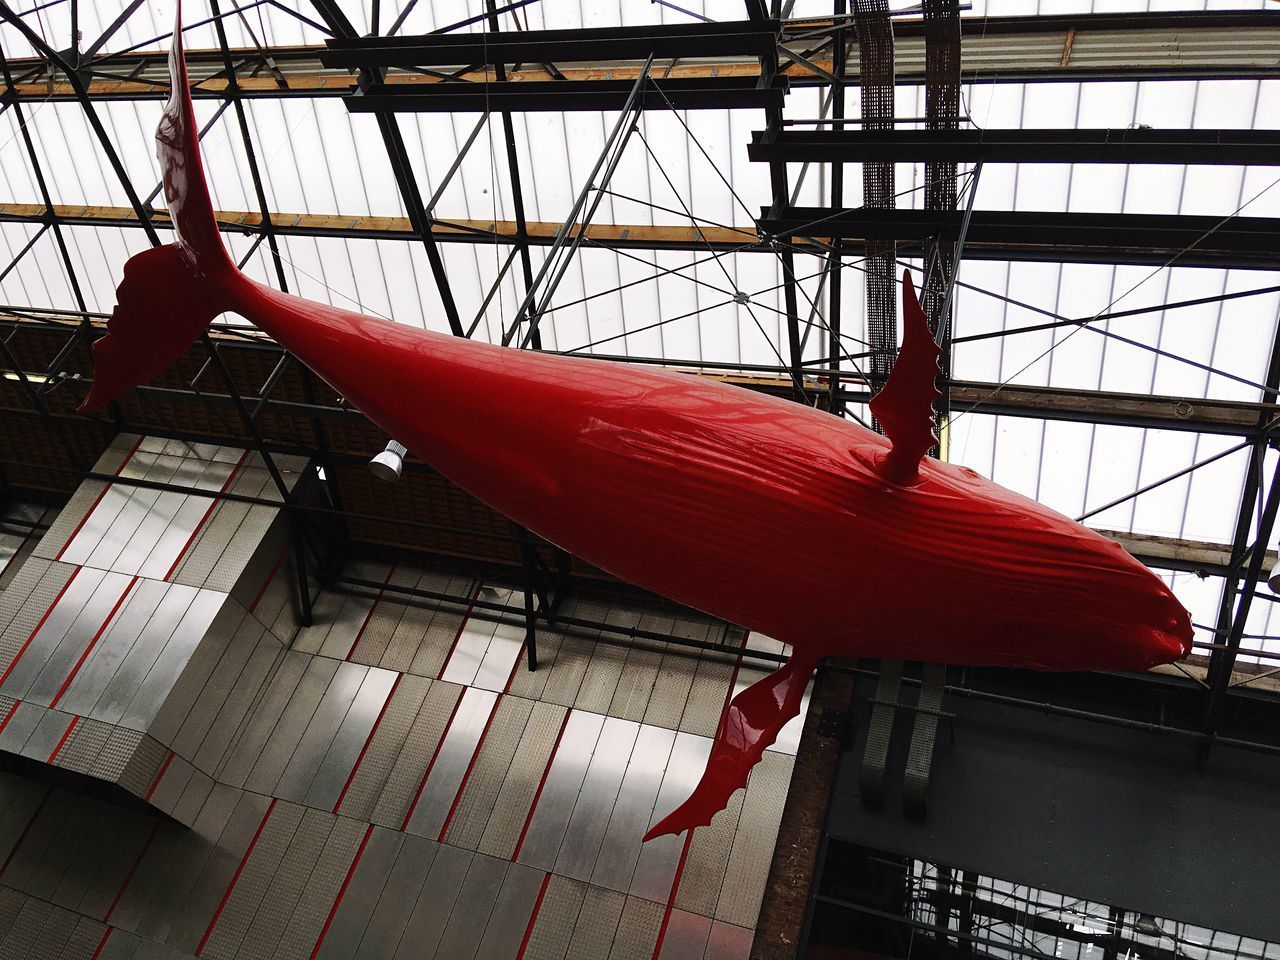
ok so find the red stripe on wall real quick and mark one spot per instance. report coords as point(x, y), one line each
point(26, 643)
point(524, 646)
point(369, 616)
point(92, 643)
point(132, 869)
point(475, 595)
point(537, 794)
point(466, 775)
point(101, 943)
point(368, 740)
point(435, 753)
point(533, 917)
point(234, 877)
point(9, 714)
point(101, 493)
point(671, 897)
point(346, 882)
point(275, 568)
point(213, 505)
point(159, 776)
point(63, 742)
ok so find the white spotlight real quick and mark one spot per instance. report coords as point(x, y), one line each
point(388, 464)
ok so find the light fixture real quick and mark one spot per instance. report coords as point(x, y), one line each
point(388, 464)
point(1273, 581)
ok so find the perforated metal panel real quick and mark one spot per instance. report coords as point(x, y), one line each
point(330, 746)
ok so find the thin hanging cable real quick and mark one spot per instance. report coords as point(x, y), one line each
point(1085, 325)
point(751, 313)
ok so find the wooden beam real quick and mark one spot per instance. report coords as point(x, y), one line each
point(648, 236)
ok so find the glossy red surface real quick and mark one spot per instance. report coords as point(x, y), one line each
point(764, 512)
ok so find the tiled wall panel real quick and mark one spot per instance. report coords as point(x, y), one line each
point(389, 782)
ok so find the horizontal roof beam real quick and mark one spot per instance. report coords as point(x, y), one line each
point(337, 226)
point(1234, 45)
point(1125, 145)
point(993, 235)
point(701, 40)
point(1125, 238)
point(700, 93)
point(1225, 417)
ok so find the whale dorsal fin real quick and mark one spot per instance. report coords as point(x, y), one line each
point(905, 406)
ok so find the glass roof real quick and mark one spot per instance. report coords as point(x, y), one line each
point(316, 158)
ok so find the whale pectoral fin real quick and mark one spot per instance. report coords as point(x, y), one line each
point(753, 721)
point(905, 406)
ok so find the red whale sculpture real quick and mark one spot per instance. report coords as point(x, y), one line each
point(766, 513)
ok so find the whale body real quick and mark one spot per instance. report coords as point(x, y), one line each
point(766, 513)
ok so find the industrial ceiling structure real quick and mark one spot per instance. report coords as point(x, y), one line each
point(1089, 198)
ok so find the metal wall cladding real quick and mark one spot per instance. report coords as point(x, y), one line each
point(121, 652)
point(396, 783)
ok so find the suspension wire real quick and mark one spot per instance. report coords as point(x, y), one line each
point(646, 327)
point(1118, 314)
point(1158, 483)
point(719, 262)
point(752, 246)
point(658, 206)
point(1085, 326)
point(632, 256)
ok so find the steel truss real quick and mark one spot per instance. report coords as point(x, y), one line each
point(750, 63)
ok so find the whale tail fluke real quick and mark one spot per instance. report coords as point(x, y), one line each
point(753, 721)
point(170, 294)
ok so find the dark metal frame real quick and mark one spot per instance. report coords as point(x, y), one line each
point(786, 230)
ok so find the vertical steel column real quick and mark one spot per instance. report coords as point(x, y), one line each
point(513, 169)
point(296, 522)
point(835, 349)
point(1221, 661)
point(51, 216)
point(529, 565)
point(51, 221)
point(942, 108)
point(779, 189)
point(876, 73)
point(1224, 660)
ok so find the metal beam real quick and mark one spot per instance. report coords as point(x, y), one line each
point(517, 200)
point(1125, 145)
point(1224, 660)
point(710, 93)
point(637, 236)
point(1126, 238)
point(741, 39)
point(1152, 239)
point(1237, 45)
